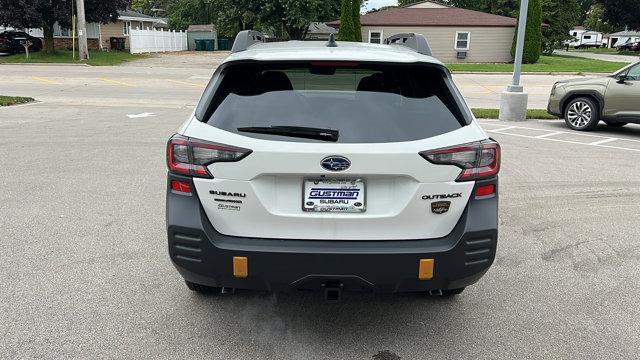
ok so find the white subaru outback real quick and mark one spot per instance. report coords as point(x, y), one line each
point(332, 166)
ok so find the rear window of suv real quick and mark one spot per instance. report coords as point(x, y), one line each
point(365, 103)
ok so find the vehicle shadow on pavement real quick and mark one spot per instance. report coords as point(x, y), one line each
point(367, 323)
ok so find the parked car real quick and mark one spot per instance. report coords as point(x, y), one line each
point(332, 166)
point(10, 42)
point(629, 46)
point(584, 102)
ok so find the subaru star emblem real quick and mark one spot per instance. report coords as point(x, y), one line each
point(335, 163)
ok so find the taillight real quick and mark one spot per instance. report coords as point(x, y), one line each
point(479, 160)
point(181, 186)
point(189, 156)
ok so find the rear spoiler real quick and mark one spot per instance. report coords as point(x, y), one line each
point(414, 41)
point(246, 38)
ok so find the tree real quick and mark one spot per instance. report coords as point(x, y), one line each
point(496, 7)
point(621, 13)
point(357, 26)
point(282, 18)
point(295, 16)
point(560, 17)
point(350, 21)
point(533, 34)
point(346, 32)
point(45, 13)
point(595, 20)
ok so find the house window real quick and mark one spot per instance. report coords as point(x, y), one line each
point(125, 27)
point(462, 40)
point(375, 36)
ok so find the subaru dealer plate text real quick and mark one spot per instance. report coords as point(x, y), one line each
point(334, 195)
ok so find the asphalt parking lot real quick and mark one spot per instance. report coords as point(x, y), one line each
point(85, 271)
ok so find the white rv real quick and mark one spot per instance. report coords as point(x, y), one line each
point(582, 38)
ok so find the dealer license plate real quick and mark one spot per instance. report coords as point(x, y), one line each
point(334, 195)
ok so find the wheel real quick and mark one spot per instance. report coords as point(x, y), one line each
point(452, 292)
point(581, 114)
point(203, 289)
point(615, 124)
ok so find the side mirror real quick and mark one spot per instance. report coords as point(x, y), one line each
point(622, 78)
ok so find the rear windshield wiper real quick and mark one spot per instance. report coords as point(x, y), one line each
point(295, 131)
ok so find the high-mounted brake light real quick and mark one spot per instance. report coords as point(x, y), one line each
point(479, 160)
point(189, 156)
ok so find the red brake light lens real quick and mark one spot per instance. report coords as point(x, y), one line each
point(478, 161)
point(181, 186)
point(189, 156)
point(485, 190)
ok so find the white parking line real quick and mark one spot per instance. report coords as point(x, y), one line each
point(603, 141)
point(595, 144)
point(504, 128)
point(549, 134)
point(575, 133)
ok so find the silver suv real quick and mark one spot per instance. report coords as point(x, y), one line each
point(582, 103)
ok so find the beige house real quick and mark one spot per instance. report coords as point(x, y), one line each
point(99, 35)
point(455, 35)
point(126, 20)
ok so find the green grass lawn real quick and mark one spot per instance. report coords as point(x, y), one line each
point(493, 114)
point(547, 64)
point(98, 58)
point(14, 100)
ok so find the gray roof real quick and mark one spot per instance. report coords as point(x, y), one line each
point(321, 28)
point(626, 33)
point(131, 13)
point(201, 28)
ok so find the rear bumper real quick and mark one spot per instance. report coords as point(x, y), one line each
point(204, 256)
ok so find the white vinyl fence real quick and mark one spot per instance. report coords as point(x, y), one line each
point(151, 40)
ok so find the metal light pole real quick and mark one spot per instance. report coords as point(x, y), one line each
point(513, 104)
point(83, 50)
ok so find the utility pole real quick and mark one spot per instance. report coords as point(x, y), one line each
point(513, 105)
point(82, 32)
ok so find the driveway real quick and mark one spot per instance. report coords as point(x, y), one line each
point(604, 57)
point(183, 59)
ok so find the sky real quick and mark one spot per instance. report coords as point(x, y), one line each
point(380, 3)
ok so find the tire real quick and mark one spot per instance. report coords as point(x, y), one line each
point(582, 114)
point(202, 289)
point(615, 124)
point(452, 292)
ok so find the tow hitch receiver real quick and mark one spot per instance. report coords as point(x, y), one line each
point(333, 291)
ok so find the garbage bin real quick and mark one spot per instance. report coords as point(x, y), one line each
point(200, 45)
point(117, 43)
point(223, 44)
point(209, 45)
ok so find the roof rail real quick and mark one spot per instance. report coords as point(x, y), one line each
point(413, 41)
point(246, 38)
